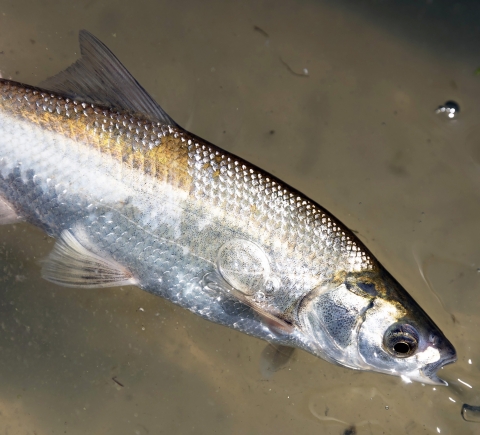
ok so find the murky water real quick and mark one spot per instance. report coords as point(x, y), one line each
point(336, 98)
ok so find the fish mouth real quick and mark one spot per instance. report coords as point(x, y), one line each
point(430, 370)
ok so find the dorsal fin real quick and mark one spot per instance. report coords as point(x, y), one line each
point(99, 77)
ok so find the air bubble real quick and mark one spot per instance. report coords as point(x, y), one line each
point(450, 108)
point(272, 284)
point(260, 297)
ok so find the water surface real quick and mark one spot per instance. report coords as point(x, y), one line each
point(336, 98)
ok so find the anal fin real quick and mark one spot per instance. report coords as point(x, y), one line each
point(71, 264)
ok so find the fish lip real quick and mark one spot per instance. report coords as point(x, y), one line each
point(430, 370)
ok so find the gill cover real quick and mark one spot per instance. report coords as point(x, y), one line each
point(368, 322)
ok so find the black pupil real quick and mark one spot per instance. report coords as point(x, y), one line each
point(401, 347)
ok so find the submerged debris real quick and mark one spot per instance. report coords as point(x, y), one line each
point(260, 30)
point(450, 108)
point(304, 72)
point(114, 379)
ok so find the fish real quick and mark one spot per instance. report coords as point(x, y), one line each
point(132, 198)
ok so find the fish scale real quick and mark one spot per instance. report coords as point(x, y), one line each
point(134, 199)
point(283, 206)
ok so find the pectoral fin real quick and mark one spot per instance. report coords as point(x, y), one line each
point(7, 213)
point(216, 283)
point(71, 264)
point(274, 357)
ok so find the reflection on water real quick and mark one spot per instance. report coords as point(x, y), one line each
point(450, 109)
point(336, 98)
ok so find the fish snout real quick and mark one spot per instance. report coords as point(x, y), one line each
point(448, 355)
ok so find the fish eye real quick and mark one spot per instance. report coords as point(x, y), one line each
point(401, 340)
point(402, 347)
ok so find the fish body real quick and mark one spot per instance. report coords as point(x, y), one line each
point(132, 198)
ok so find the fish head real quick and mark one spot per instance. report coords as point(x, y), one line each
point(367, 321)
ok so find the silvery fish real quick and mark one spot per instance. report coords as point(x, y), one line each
point(132, 198)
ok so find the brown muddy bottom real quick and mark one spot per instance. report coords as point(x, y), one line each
point(336, 98)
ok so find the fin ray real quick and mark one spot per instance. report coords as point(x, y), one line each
point(275, 357)
point(70, 264)
point(216, 283)
point(99, 77)
point(8, 215)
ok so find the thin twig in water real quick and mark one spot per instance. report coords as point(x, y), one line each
point(260, 30)
point(302, 74)
point(114, 379)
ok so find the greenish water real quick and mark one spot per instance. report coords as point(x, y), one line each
point(358, 134)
